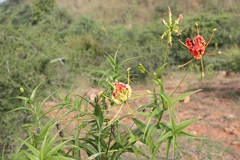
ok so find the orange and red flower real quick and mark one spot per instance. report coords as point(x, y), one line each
point(197, 47)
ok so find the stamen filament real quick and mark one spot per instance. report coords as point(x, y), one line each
point(211, 37)
point(211, 54)
point(186, 63)
point(130, 108)
point(202, 67)
point(198, 31)
point(183, 43)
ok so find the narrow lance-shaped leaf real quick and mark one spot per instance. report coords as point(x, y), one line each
point(181, 97)
point(31, 148)
point(160, 69)
point(184, 124)
point(170, 109)
point(34, 92)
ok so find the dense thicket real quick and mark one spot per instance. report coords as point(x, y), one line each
point(56, 47)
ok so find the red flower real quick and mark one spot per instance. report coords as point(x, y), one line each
point(197, 47)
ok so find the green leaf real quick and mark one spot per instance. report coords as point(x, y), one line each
point(22, 98)
point(21, 108)
point(160, 69)
point(170, 108)
point(149, 139)
point(184, 124)
point(55, 149)
point(30, 125)
point(181, 97)
point(60, 157)
point(139, 124)
point(94, 156)
point(188, 135)
point(165, 136)
point(127, 60)
point(58, 106)
point(3, 151)
point(88, 149)
point(135, 150)
point(154, 113)
point(34, 92)
point(138, 152)
point(32, 157)
point(132, 138)
point(39, 109)
point(31, 148)
point(111, 60)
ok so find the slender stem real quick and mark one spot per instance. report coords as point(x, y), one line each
point(116, 114)
point(110, 136)
point(165, 59)
point(202, 67)
point(130, 108)
point(168, 147)
point(99, 136)
point(160, 116)
point(180, 82)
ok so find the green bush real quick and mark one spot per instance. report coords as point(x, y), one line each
point(230, 59)
point(40, 9)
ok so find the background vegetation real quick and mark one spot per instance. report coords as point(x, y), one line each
point(64, 42)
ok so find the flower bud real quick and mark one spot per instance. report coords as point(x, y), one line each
point(162, 20)
point(180, 17)
point(141, 68)
point(21, 90)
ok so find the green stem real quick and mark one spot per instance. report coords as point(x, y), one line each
point(116, 115)
point(99, 137)
point(180, 82)
point(160, 118)
point(168, 147)
point(165, 59)
point(109, 142)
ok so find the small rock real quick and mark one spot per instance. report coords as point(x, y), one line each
point(186, 100)
point(229, 130)
point(221, 74)
point(194, 133)
point(231, 116)
point(236, 143)
point(230, 73)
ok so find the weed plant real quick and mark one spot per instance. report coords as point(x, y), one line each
point(96, 134)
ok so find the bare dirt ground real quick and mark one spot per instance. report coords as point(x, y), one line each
point(218, 105)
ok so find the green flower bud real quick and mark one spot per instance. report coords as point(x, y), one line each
point(141, 68)
point(21, 90)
